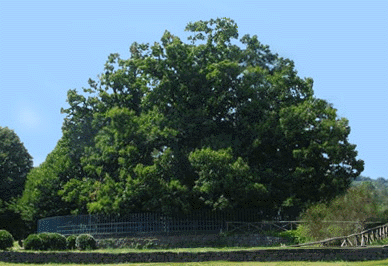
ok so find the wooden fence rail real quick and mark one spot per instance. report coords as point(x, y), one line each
point(355, 240)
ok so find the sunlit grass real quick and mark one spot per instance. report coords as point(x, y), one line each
point(177, 250)
point(380, 242)
point(191, 250)
point(206, 263)
point(180, 250)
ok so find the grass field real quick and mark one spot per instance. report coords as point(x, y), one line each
point(226, 263)
point(190, 250)
point(208, 263)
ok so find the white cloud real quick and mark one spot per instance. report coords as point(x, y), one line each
point(29, 118)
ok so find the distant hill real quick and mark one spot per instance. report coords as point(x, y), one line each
point(380, 189)
point(379, 183)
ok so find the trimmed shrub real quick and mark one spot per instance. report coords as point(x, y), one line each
point(33, 242)
point(85, 241)
point(6, 240)
point(45, 238)
point(71, 241)
point(57, 241)
point(45, 241)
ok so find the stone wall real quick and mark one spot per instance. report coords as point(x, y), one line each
point(188, 241)
point(346, 254)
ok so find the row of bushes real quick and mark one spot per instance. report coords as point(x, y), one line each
point(54, 241)
point(49, 241)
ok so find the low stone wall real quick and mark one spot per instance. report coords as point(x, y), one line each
point(351, 254)
point(188, 241)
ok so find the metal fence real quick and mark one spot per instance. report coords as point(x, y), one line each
point(148, 222)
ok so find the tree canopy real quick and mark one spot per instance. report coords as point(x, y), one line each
point(15, 163)
point(215, 122)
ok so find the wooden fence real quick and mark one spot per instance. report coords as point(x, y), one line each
point(354, 240)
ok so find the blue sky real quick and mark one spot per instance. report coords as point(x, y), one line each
point(49, 47)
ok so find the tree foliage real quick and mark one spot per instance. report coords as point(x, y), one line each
point(40, 198)
point(379, 189)
point(216, 123)
point(347, 214)
point(15, 163)
point(224, 182)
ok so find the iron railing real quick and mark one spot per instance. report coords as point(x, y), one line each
point(148, 222)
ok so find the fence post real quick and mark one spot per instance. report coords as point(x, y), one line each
point(385, 231)
point(89, 224)
point(358, 240)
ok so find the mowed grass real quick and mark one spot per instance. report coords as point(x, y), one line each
point(201, 249)
point(190, 250)
point(175, 250)
point(206, 263)
point(223, 263)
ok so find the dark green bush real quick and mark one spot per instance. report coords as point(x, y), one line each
point(71, 241)
point(33, 242)
point(293, 236)
point(85, 241)
point(107, 243)
point(57, 241)
point(46, 243)
point(6, 240)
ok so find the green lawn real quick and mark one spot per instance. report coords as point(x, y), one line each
point(228, 263)
point(208, 263)
point(190, 250)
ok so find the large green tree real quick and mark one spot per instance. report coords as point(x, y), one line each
point(214, 122)
point(15, 163)
point(40, 198)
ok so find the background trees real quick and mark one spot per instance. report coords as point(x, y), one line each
point(360, 205)
point(15, 163)
point(214, 123)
